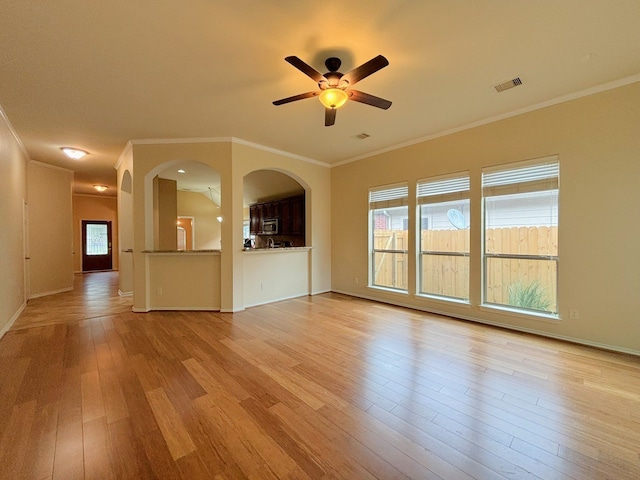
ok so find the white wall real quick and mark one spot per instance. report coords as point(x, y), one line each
point(13, 194)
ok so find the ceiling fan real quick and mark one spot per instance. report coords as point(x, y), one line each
point(335, 87)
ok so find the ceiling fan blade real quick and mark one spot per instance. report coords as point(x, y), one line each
point(366, 69)
point(302, 96)
point(362, 97)
point(304, 68)
point(329, 116)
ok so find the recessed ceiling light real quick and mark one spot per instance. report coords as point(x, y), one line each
point(74, 153)
point(100, 188)
point(182, 170)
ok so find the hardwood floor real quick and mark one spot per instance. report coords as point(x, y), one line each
point(323, 387)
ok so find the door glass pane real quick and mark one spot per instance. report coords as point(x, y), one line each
point(97, 239)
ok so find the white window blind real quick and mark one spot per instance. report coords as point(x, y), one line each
point(521, 179)
point(443, 189)
point(389, 196)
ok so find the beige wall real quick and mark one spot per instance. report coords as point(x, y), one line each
point(598, 142)
point(232, 160)
point(50, 229)
point(147, 161)
point(206, 228)
point(13, 194)
point(165, 214)
point(316, 179)
point(270, 276)
point(94, 207)
point(124, 170)
point(172, 285)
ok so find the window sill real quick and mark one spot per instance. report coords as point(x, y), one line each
point(547, 317)
point(388, 290)
point(443, 300)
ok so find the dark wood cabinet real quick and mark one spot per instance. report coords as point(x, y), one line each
point(285, 217)
point(297, 215)
point(255, 225)
point(289, 212)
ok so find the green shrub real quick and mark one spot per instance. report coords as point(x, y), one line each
point(532, 296)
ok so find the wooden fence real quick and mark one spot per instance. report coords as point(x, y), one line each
point(448, 275)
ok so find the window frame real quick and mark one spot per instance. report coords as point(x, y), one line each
point(440, 190)
point(533, 175)
point(381, 197)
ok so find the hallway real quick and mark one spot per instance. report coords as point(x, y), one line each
point(94, 295)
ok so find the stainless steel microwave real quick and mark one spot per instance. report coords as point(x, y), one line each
point(270, 226)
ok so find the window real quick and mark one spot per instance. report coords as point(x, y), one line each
point(521, 235)
point(444, 236)
point(388, 220)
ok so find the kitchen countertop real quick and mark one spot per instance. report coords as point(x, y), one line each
point(276, 249)
point(186, 252)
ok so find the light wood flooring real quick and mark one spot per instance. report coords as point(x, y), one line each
point(323, 387)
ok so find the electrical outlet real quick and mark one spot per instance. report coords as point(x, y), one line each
point(158, 290)
point(356, 280)
point(574, 313)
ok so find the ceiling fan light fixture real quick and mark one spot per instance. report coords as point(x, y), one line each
point(74, 153)
point(333, 97)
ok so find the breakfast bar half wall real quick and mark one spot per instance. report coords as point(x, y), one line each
point(182, 280)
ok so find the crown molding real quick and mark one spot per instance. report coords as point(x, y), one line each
point(232, 140)
point(54, 167)
point(125, 151)
point(257, 146)
point(13, 132)
point(548, 103)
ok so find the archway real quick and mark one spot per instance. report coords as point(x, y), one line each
point(183, 191)
point(274, 207)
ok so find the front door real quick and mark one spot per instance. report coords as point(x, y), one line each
point(96, 245)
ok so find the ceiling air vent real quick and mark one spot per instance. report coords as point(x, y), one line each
point(508, 84)
point(361, 136)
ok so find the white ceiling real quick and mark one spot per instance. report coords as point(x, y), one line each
point(97, 74)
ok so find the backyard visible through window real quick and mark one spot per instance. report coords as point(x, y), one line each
point(521, 236)
point(444, 236)
point(389, 236)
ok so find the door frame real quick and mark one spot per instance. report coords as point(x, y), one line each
point(109, 255)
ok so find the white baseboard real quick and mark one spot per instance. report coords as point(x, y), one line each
point(53, 292)
point(274, 300)
point(507, 326)
point(175, 309)
point(13, 319)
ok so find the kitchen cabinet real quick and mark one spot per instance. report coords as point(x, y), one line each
point(289, 212)
point(255, 215)
point(297, 215)
point(285, 217)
